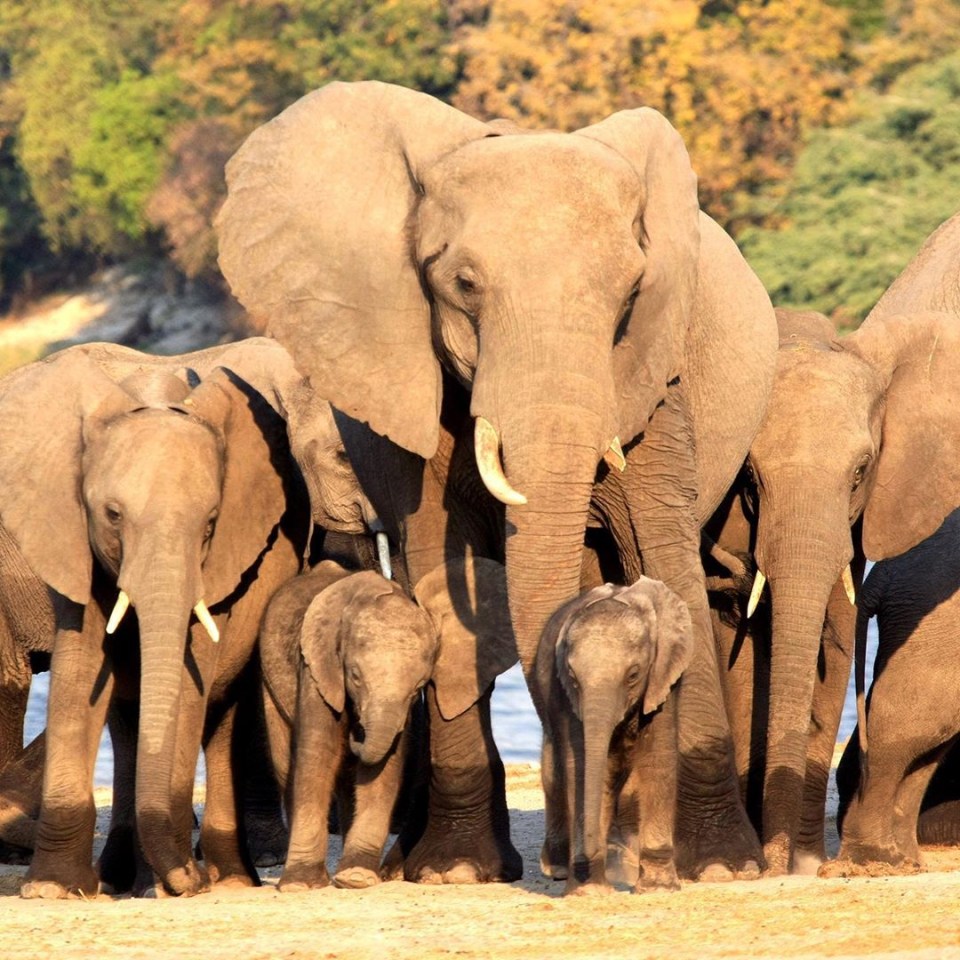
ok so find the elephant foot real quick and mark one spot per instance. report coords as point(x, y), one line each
point(719, 849)
point(838, 868)
point(554, 860)
point(779, 856)
point(450, 853)
point(298, 877)
point(83, 885)
point(185, 881)
point(267, 840)
point(356, 878)
point(806, 863)
point(656, 870)
point(575, 888)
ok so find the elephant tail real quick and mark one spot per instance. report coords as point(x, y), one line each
point(867, 605)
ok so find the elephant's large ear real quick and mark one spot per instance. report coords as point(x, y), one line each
point(315, 238)
point(918, 354)
point(650, 352)
point(674, 637)
point(259, 477)
point(466, 600)
point(44, 409)
point(320, 645)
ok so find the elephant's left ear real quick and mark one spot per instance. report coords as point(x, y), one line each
point(650, 352)
point(467, 601)
point(674, 638)
point(260, 478)
point(919, 355)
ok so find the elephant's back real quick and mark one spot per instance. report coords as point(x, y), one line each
point(731, 362)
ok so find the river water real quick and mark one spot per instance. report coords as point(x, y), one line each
point(515, 724)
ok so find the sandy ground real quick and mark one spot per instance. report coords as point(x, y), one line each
point(916, 917)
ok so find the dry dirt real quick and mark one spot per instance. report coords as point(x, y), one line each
point(916, 916)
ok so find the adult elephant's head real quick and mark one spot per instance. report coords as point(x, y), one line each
point(175, 491)
point(384, 234)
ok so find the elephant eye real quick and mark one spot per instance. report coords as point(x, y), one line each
point(208, 531)
point(858, 473)
point(466, 285)
point(113, 513)
point(633, 675)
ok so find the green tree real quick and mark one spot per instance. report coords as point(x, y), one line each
point(863, 197)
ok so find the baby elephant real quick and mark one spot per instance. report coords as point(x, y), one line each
point(605, 667)
point(344, 655)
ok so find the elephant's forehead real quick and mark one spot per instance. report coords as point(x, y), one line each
point(141, 454)
point(819, 397)
point(525, 170)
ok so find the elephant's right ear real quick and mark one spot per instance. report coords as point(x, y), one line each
point(315, 239)
point(320, 644)
point(45, 409)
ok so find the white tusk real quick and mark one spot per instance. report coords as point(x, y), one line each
point(758, 585)
point(614, 457)
point(119, 609)
point(383, 554)
point(848, 585)
point(203, 615)
point(486, 445)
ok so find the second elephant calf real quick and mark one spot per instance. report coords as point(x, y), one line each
point(605, 669)
point(344, 656)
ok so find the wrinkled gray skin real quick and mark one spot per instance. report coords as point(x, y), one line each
point(344, 656)
point(427, 269)
point(849, 420)
point(912, 713)
point(605, 668)
point(170, 479)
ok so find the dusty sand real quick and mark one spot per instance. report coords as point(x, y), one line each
point(916, 917)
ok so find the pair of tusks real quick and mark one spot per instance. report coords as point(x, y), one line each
point(486, 444)
point(760, 581)
point(203, 615)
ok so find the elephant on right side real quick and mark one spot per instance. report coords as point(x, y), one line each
point(911, 718)
point(830, 481)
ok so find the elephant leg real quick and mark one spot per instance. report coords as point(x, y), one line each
point(906, 814)
point(81, 686)
point(318, 755)
point(715, 839)
point(376, 792)
point(655, 762)
point(467, 835)
point(833, 676)
point(280, 741)
point(121, 862)
point(224, 852)
point(14, 693)
point(555, 853)
point(21, 786)
point(939, 820)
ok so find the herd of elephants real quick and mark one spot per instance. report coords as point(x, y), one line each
point(522, 399)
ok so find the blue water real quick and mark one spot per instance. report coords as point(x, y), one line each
point(515, 724)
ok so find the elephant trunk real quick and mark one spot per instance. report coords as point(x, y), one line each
point(802, 561)
point(163, 604)
point(380, 726)
point(599, 721)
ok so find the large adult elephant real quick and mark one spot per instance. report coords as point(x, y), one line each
point(831, 478)
point(165, 485)
point(403, 251)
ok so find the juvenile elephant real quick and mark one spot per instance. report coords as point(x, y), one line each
point(912, 715)
point(345, 654)
point(606, 667)
point(831, 478)
point(445, 278)
point(165, 485)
